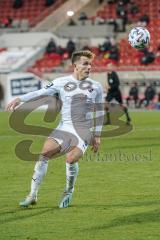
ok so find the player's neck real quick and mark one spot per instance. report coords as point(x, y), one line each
point(78, 77)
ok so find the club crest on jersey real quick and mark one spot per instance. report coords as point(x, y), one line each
point(49, 85)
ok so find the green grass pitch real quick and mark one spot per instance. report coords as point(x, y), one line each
point(117, 195)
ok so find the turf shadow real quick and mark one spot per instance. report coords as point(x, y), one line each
point(140, 218)
point(145, 217)
point(121, 205)
point(6, 217)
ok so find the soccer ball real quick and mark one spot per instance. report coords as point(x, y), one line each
point(139, 37)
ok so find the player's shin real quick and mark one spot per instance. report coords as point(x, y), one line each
point(127, 114)
point(71, 176)
point(40, 171)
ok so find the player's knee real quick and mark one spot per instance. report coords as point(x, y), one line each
point(74, 155)
point(48, 152)
point(71, 158)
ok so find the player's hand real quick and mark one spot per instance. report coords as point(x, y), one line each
point(13, 104)
point(95, 144)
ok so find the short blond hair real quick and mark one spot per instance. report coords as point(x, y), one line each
point(83, 53)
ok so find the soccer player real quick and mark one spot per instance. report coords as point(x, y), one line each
point(79, 95)
point(114, 92)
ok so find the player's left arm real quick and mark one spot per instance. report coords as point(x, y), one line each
point(99, 116)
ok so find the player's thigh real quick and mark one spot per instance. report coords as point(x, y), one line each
point(74, 155)
point(109, 97)
point(118, 97)
point(50, 147)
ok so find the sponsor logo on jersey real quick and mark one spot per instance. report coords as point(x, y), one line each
point(69, 87)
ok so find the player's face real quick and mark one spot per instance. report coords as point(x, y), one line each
point(110, 68)
point(83, 67)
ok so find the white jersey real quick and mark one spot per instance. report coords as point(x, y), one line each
point(78, 97)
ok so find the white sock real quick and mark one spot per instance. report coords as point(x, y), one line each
point(71, 175)
point(40, 171)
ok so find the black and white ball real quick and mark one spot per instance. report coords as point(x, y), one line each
point(139, 37)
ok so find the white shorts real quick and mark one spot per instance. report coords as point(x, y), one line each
point(67, 137)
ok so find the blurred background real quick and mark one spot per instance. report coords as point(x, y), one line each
point(37, 38)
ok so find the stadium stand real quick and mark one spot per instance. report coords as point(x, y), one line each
point(32, 11)
point(22, 52)
point(13, 59)
point(129, 58)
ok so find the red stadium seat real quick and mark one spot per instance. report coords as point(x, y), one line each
point(33, 10)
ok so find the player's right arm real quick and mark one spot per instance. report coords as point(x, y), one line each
point(49, 90)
